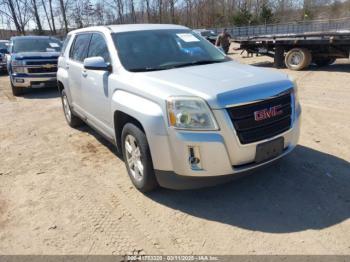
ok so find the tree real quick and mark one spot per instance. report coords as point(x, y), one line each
point(148, 10)
point(132, 11)
point(16, 12)
point(266, 14)
point(243, 16)
point(64, 15)
point(172, 10)
point(47, 16)
point(160, 9)
point(35, 12)
point(52, 17)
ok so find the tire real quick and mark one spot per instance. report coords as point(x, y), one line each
point(17, 91)
point(137, 158)
point(324, 61)
point(72, 120)
point(298, 58)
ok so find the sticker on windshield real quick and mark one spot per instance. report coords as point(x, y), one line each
point(188, 38)
point(54, 45)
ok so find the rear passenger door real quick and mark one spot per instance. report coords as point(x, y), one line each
point(96, 86)
point(75, 69)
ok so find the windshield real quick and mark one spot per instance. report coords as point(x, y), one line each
point(36, 45)
point(208, 33)
point(152, 50)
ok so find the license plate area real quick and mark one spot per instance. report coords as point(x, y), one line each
point(269, 150)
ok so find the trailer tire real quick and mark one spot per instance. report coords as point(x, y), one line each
point(298, 59)
point(324, 61)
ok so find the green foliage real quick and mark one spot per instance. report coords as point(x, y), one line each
point(266, 15)
point(243, 16)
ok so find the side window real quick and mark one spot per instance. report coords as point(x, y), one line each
point(65, 44)
point(79, 48)
point(98, 47)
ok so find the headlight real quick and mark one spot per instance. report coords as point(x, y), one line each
point(190, 113)
point(17, 63)
point(17, 66)
point(295, 90)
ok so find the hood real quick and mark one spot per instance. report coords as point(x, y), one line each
point(220, 84)
point(35, 55)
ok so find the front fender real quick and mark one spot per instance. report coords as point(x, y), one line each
point(151, 117)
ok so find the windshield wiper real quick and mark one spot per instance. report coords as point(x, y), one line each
point(147, 69)
point(200, 62)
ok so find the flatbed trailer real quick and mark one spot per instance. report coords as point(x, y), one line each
point(297, 45)
point(298, 51)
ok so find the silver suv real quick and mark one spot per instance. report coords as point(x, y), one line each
point(182, 113)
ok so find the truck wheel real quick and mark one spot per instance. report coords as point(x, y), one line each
point(17, 91)
point(72, 120)
point(298, 58)
point(137, 158)
point(324, 61)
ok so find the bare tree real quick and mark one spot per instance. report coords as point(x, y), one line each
point(120, 8)
point(35, 11)
point(17, 12)
point(160, 9)
point(64, 15)
point(47, 16)
point(52, 17)
point(132, 10)
point(172, 10)
point(148, 10)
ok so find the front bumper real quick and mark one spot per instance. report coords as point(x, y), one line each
point(26, 81)
point(3, 66)
point(222, 156)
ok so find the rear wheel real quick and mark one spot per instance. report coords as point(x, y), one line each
point(71, 119)
point(298, 58)
point(137, 158)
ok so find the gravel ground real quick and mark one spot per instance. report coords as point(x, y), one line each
point(65, 191)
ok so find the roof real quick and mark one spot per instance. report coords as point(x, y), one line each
point(201, 30)
point(130, 27)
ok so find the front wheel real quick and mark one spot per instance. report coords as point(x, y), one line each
point(72, 120)
point(137, 158)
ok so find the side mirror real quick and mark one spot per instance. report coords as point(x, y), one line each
point(96, 63)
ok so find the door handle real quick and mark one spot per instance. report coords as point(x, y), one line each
point(84, 73)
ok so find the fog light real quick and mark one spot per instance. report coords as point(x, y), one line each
point(19, 80)
point(194, 158)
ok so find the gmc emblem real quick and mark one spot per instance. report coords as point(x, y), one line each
point(268, 113)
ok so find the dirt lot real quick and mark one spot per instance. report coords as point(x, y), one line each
point(65, 191)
